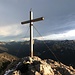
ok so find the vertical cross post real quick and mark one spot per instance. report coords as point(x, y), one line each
point(31, 33)
point(31, 29)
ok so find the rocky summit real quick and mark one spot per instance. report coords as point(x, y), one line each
point(37, 66)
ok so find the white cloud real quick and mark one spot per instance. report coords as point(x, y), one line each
point(69, 35)
point(62, 36)
point(11, 30)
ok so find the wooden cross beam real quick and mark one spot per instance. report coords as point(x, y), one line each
point(31, 29)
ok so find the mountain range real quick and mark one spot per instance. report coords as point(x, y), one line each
point(58, 50)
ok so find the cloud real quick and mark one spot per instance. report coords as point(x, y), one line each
point(9, 30)
point(69, 35)
point(13, 11)
point(12, 31)
point(59, 17)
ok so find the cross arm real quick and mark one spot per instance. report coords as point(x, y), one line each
point(34, 20)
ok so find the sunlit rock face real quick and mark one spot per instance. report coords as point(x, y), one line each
point(60, 69)
point(32, 66)
point(37, 66)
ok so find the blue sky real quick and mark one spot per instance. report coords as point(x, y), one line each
point(59, 23)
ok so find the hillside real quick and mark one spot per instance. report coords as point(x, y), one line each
point(5, 60)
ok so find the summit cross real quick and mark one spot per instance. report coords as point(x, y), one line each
point(31, 29)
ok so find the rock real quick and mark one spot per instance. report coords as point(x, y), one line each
point(71, 68)
point(37, 66)
point(56, 64)
point(37, 73)
point(46, 69)
point(61, 69)
point(16, 72)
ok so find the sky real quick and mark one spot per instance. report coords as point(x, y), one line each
point(59, 22)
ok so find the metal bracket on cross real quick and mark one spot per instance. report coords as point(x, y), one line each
point(31, 29)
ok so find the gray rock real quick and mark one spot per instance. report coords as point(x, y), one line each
point(36, 66)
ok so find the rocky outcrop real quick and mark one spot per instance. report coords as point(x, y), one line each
point(36, 66)
point(60, 69)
